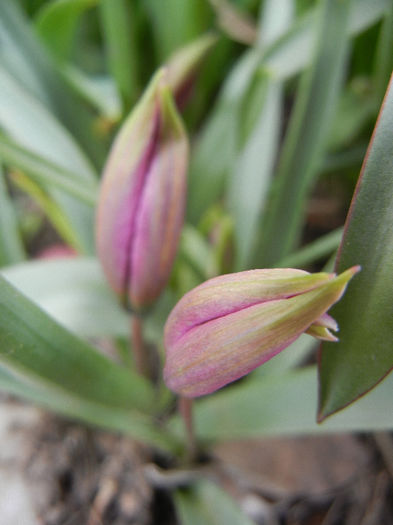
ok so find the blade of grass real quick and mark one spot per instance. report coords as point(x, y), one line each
point(306, 135)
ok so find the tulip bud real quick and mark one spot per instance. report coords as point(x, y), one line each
point(229, 325)
point(142, 198)
point(183, 65)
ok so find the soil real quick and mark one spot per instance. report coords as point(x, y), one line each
point(56, 472)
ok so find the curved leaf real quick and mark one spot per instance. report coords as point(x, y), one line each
point(43, 353)
point(364, 354)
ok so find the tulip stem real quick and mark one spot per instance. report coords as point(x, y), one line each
point(139, 348)
point(185, 409)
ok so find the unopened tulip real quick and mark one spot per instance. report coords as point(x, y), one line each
point(142, 198)
point(229, 325)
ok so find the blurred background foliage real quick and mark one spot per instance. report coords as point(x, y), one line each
point(280, 117)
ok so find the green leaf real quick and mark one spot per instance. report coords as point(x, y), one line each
point(56, 24)
point(251, 176)
point(364, 353)
point(11, 247)
point(52, 210)
point(25, 59)
point(47, 173)
point(383, 56)
point(206, 503)
point(33, 127)
point(176, 23)
point(293, 51)
point(284, 404)
point(275, 19)
point(119, 27)
point(44, 353)
point(74, 292)
point(306, 135)
point(215, 151)
point(322, 247)
point(130, 421)
point(99, 91)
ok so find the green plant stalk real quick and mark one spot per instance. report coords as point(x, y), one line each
point(305, 137)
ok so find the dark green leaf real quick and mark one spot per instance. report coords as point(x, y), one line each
point(364, 354)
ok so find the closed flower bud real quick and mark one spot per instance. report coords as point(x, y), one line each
point(229, 325)
point(142, 198)
point(183, 65)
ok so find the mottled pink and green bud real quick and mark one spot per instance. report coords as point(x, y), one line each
point(142, 198)
point(183, 65)
point(229, 325)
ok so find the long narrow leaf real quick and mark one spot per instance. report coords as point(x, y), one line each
point(215, 151)
point(130, 421)
point(306, 135)
point(42, 352)
point(251, 177)
point(364, 354)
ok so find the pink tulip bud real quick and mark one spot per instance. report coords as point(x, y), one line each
point(142, 198)
point(229, 325)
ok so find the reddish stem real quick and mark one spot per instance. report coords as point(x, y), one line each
point(185, 409)
point(139, 348)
